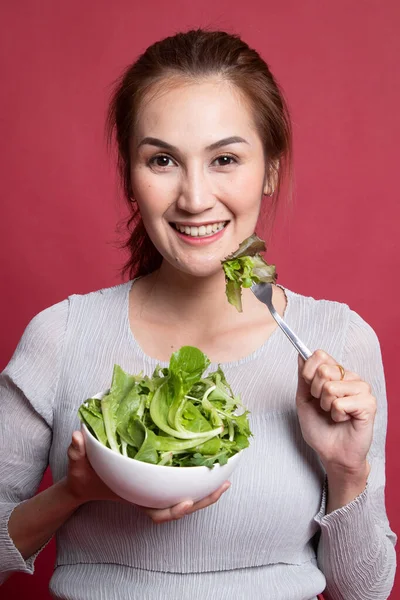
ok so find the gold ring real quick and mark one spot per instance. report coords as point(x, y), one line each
point(342, 372)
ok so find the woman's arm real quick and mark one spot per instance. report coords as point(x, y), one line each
point(33, 522)
point(356, 548)
point(27, 389)
point(27, 521)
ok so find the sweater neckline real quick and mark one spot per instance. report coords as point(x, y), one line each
point(154, 362)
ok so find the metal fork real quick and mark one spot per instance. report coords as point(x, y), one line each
point(263, 291)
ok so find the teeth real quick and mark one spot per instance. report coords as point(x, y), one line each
point(201, 231)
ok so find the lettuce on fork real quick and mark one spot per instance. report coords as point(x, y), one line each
point(245, 267)
point(177, 417)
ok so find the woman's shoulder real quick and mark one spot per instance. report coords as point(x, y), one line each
point(51, 322)
point(332, 317)
point(309, 304)
point(89, 302)
point(107, 294)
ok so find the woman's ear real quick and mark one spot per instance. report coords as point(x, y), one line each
point(268, 189)
point(271, 180)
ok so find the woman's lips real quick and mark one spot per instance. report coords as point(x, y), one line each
point(202, 240)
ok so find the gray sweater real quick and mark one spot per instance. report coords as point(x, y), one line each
point(267, 538)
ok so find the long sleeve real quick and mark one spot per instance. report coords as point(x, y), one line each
point(356, 547)
point(27, 390)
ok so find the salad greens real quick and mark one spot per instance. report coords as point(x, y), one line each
point(177, 417)
point(245, 267)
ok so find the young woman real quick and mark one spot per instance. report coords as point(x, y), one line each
point(204, 140)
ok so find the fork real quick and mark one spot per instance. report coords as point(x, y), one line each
point(263, 291)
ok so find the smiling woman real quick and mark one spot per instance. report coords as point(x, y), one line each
point(182, 74)
point(203, 135)
point(207, 178)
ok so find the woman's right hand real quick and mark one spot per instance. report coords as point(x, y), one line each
point(85, 485)
point(82, 480)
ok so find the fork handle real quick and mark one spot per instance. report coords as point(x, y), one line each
point(297, 343)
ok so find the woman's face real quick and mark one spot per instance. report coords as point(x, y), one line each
point(198, 173)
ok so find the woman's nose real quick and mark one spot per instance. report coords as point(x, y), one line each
point(195, 194)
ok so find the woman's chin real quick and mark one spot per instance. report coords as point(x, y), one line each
point(199, 268)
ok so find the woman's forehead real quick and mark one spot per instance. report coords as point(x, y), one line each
point(200, 110)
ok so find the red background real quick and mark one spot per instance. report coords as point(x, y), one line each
point(338, 63)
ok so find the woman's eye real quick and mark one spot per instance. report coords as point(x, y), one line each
point(224, 160)
point(161, 161)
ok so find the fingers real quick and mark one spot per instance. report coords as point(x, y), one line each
point(344, 409)
point(211, 499)
point(319, 369)
point(76, 449)
point(184, 508)
point(329, 373)
point(332, 390)
point(320, 360)
point(174, 513)
point(317, 358)
point(345, 398)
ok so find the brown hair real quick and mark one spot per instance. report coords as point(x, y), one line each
point(192, 55)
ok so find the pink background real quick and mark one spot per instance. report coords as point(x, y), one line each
point(338, 63)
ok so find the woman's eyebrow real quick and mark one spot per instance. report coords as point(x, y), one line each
point(151, 141)
point(235, 139)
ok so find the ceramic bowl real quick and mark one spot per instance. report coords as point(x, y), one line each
point(154, 486)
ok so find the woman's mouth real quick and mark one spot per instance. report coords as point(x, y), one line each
point(206, 232)
point(201, 230)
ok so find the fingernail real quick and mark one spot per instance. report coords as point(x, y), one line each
point(227, 485)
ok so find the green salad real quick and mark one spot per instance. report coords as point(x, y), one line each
point(245, 267)
point(177, 417)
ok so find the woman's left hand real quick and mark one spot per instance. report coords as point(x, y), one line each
point(336, 415)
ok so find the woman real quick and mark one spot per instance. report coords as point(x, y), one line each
point(204, 140)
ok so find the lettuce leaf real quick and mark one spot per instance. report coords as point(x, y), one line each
point(95, 423)
point(177, 417)
point(245, 267)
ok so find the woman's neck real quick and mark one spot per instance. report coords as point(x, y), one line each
point(180, 297)
point(169, 309)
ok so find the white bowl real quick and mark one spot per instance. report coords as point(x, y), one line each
point(154, 486)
